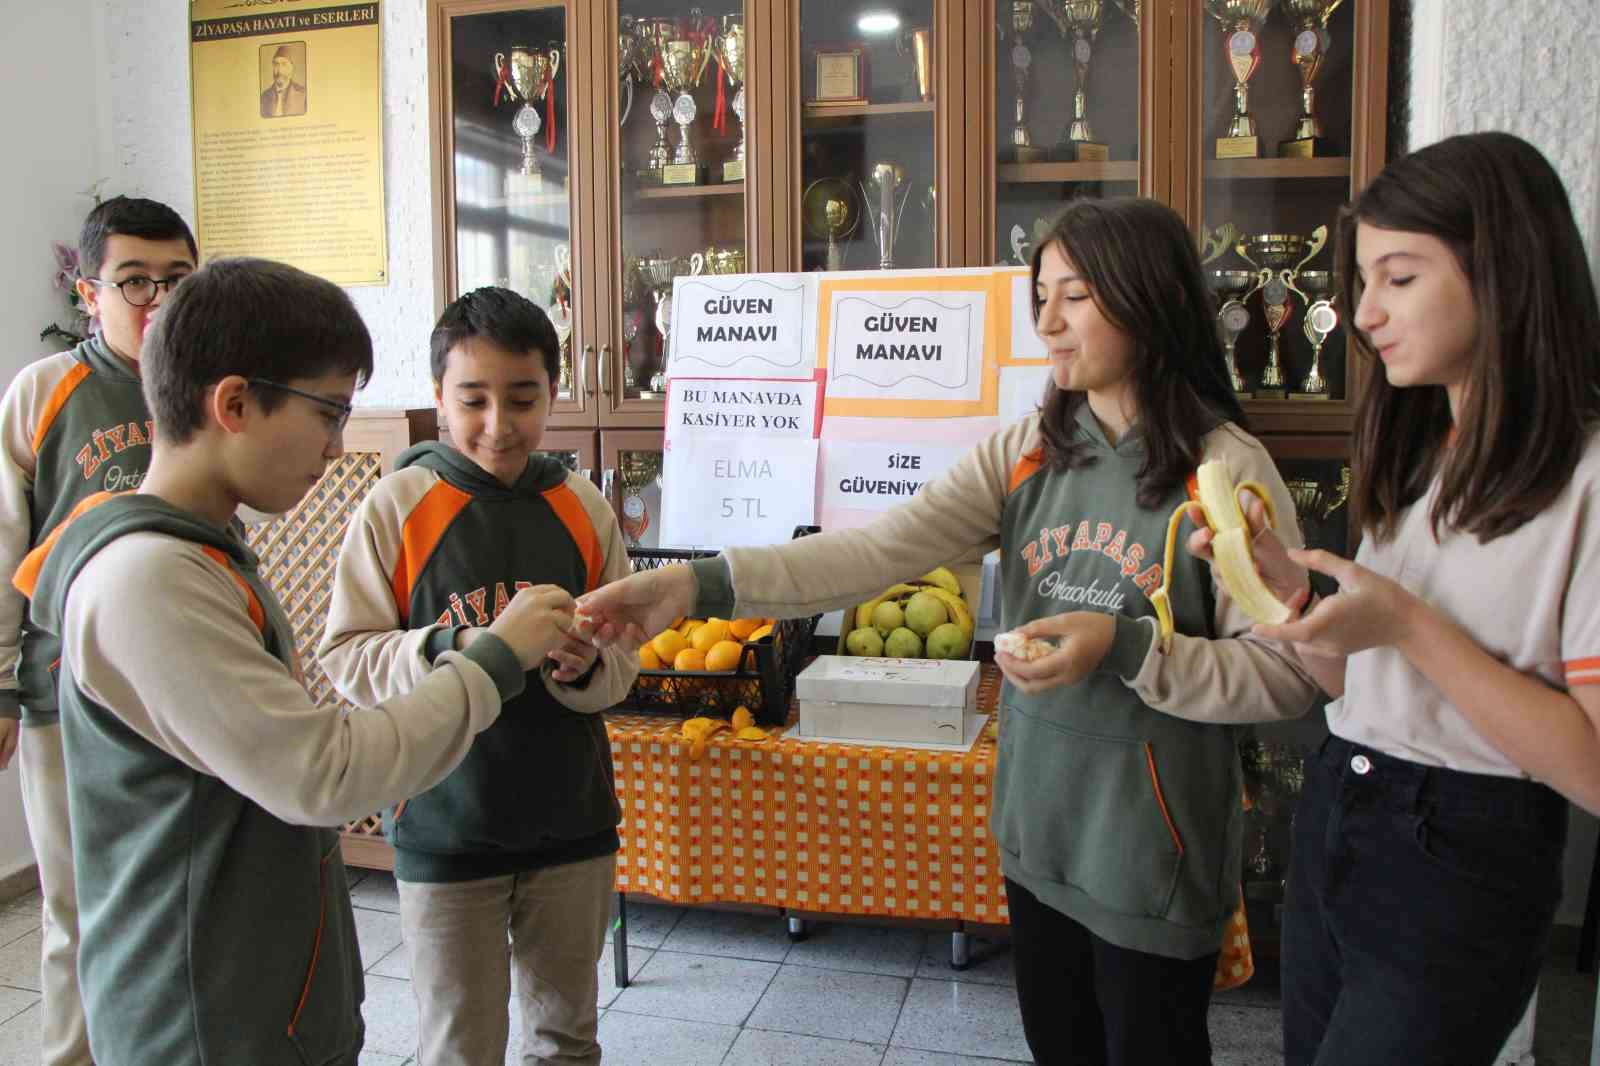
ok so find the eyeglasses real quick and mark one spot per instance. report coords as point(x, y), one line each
point(343, 409)
point(139, 290)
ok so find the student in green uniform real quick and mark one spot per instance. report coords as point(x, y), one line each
point(71, 425)
point(521, 839)
point(1117, 808)
point(216, 922)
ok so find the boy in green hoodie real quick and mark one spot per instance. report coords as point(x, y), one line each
point(215, 920)
point(521, 839)
point(71, 425)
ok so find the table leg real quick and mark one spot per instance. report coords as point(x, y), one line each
point(960, 951)
point(619, 942)
point(797, 929)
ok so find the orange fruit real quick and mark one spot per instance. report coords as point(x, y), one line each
point(760, 632)
point(648, 659)
point(724, 656)
point(667, 644)
point(687, 626)
point(709, 634)
point(741, 628)
point(689, 659)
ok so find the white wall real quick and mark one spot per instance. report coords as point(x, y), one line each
point(143, 80)
point(1520, 66)
point(54, 155)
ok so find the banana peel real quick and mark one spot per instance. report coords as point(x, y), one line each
point(698, 732)
point(1218, 498)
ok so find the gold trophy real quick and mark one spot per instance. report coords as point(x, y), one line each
point(1231, 287)
point(730, 54)
point(1315, 503)
point(1281, 256)
point(632, 56)
point(528, 75)
point(655, 33)
point(658, 273)
point(683, 63)
point(1022, 147)
point(1320, 321)
point(918, 44)
point(829, 208)
point(632, 320)
point(885, 203)
point(716, 260)
point(1079, 21)
point(1241, 21)
point(1311, 44)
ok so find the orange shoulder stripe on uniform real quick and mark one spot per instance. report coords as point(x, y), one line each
point(1027, 466)
point(1583, 672)
point(1192, 483)
point(257, 615)
point(424, 527)
point(570, 510)
point(57, 400)
point(27, 575)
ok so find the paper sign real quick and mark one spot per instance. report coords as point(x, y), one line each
point(743, 325)
point(1025, 342)
point(766, 408)
point(731, 490)
point(1022, 390)
point(877, 475)
point(890, 345)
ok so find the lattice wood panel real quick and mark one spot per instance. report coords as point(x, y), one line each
point(298, 553)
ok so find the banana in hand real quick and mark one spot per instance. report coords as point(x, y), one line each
point(1230, 548)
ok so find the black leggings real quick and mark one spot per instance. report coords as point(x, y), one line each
point(1087, 1002)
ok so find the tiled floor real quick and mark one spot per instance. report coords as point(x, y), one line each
point(724, 989)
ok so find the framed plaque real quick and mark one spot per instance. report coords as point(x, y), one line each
point(841, 75)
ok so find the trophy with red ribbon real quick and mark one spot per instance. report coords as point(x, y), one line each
point(530, 76)
point(1241, 22)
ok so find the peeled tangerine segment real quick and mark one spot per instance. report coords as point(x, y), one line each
point(1025, 648)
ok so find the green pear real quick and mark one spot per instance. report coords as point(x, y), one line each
point(864, 641)
point(903, 644)
point(926, 612)
point(948, 641)
point(887, 617)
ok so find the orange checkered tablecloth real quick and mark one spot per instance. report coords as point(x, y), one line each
point(829, 828)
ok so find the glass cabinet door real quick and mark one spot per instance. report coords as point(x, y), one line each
point(508, 204)
point(869, 197)
point(681, 72)
point(1066, 110)
point(1277, 134)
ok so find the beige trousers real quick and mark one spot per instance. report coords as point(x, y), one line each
point(64, 1039)
point(461, 962)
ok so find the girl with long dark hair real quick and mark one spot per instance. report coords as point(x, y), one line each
point(1116, 807)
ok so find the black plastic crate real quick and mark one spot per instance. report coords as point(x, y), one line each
point(764, 681)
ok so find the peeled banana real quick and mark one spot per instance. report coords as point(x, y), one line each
point(1230, 548)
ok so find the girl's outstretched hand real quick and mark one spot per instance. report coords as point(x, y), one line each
point(1368, 611)
point(1083, 638)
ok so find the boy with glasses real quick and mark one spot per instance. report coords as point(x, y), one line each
point(216, 916)
point(72, 425)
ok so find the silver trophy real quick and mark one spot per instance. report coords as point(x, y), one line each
point(1022, 146)
point(1320, 321)
point(658, 273)
point(885, 193)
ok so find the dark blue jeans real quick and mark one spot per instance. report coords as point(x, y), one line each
point(1419, 910)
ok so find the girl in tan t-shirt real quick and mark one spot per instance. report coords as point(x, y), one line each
point(1462, 642)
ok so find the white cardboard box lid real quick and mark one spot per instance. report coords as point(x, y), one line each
point(861, 679)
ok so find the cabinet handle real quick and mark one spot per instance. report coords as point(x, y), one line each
point(605, 369)
point(583, 369)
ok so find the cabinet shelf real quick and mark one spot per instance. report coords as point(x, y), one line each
point(1026, 173)
point(826, 111)
point(1325, 167)
point(688, 192)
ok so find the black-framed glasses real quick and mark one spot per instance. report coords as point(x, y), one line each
point(343, 409)
point(139, 290)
